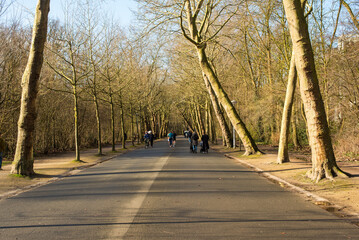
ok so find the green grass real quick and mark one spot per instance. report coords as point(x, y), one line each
point(20, 176)
point(6, 163)
point(78, 161)
point(240, 155)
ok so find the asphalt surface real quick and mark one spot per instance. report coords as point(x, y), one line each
point(167, 193)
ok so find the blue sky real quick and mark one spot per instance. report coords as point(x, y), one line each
point(24, 10)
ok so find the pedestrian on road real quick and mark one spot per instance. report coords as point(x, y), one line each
point(194, 141)
point(189, 135)
point(205, 144)
point(146, 138)
point(174, 138)
point(152, 137)
point(170, 139)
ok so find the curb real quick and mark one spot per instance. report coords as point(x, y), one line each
point(317, 200)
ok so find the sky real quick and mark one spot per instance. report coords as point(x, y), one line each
point(24, 10)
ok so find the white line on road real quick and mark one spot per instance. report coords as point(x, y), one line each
point(130, 209)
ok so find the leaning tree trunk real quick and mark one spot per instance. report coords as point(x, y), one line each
point(199, 119)
point(248, 142)
point(323, 160)
point(24, 160)
point(219, 114)
point(283, 155)
point(352, 15)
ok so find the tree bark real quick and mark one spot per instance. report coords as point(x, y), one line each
point(323, 159)
point(200, 120)
point(294, 129)
point(123, 136)
point(76, 124)
point(283, 155)
point(207, 126)
point(24, 160)
point(132, 127)
point(219, 114)
point(99, 135)
point(248, 142)
point(113, 123)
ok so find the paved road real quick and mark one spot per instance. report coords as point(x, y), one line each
point(166, 193)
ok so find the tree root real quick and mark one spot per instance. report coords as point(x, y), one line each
point(316, 176)
point(250, 153)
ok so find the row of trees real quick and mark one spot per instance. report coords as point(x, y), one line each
point(244, 50)
point(99, 83)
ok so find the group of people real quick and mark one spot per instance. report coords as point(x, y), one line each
point(193, 141)
point(172, 138)
point(148, 138)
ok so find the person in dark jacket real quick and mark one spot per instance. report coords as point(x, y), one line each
point(151, 137)
point(205, 144)
point(146, 138)
point(189, 135)
point(194, 141)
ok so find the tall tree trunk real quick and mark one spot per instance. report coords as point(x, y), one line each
point(194, 118)
point(212, 127)
point(138, 129)
point(294, 128)
point(272, 123)
point(283, 155)
point(76, 124)
point(189, 124)
point(123, 133)
point(24, 160)
point(219, 114)
point(248, 142)
point(132, 127)
point(97, 111)
point(207, 127)
point(113, 123)
point(200, 120)
point(323, 160)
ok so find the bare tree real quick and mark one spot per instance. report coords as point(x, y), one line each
point(287, 110)
point(323, 159)
point(352, 15)
point(199, 33)
point(24, 160)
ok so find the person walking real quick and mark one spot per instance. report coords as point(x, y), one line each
point(189, 135)
point(170, 139)
point(151, 138)
point(205, 144)
point(146, 138)
point(194, 141)
point(174, 138)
